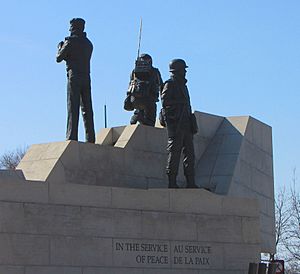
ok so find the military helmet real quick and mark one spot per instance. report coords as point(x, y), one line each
point(177, 65)
point(77, 24)
point(146, 57)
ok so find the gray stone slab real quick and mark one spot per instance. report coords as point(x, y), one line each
point(231, 143)
point(260, 134)
point(52, 270)
point(220, 229)
point(76, 194)
point(8, 174)
point(195, 201)
point(21, 249)
point(11, 269)
point(268, 243)
point(142, 163)
point(172, 226)
point(27, 191)
point(206, 165)
point(237, 256)
point(112, 270)
point(225, 164)
point(240, 123)
point(251, 230)
point(235, 206)
point(150, 199)
point(55, 220)
point(75, 251)
point(207, 124)
point(127, 223)
point(258, 158)
point(171, 271)
point(220, 184)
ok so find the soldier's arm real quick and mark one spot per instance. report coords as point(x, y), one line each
point(62, 53)
point(167, 95)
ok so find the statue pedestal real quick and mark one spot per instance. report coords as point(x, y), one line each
point(104, 208)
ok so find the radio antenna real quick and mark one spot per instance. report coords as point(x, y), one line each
point(140, 38)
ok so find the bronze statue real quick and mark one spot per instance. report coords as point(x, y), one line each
point(180, 123)
point(143, 92)
point(76, 50)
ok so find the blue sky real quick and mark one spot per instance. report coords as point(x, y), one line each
point(243, 59)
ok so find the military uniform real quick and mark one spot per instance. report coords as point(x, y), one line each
point(76, 50)
point(147, 114)
point(177, 114)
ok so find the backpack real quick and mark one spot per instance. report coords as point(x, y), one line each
point(140, 86)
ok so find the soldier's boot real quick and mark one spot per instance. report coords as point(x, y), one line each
point(172, 181)
point(190, 181)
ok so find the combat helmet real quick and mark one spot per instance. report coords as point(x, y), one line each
point(177, 65)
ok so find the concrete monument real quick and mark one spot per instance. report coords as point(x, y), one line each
point(82, 208)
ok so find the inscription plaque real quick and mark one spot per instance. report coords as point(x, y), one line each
point(165, 254)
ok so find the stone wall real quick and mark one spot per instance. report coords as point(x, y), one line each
point(71, 228)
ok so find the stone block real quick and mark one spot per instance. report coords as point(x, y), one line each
point(112, 270)
point(104, 137)
point(251, 230)
point(262, 183)
point(195, 201)
point(151, 199)
point(200, 145)
point(75, 251)
point(52, 270)
point(80, 195)
point(225, 164)
point(142, 161)
point(207, 124)
point(268, 243)
point(238, 256)
point(260, 135)
point(109, 136)
point(157, 183)
point(243, 173)
point(239, 122)
point(236, 206)
point(257, 158)
point(233, 125)
point(37, 170)
point(267, 224)
point(172, 226)
point(21, 249)
point(45, 151)
point(127, 223)
point(23, 191)
point(8, 174)
point(7, 269)
point(226, 229)
point(231, 144)
point(220, 184)
point(206, 165)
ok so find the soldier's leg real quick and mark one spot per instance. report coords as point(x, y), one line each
point(87, 110)
point(136, 117)
point(150, 114)
point(189, 160)
point(73, 102)
point(174, 148)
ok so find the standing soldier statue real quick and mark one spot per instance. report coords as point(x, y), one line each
point(143, 91)
point(76, 50)
point(181, 124)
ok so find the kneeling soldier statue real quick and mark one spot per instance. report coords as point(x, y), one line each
point(180, 123)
